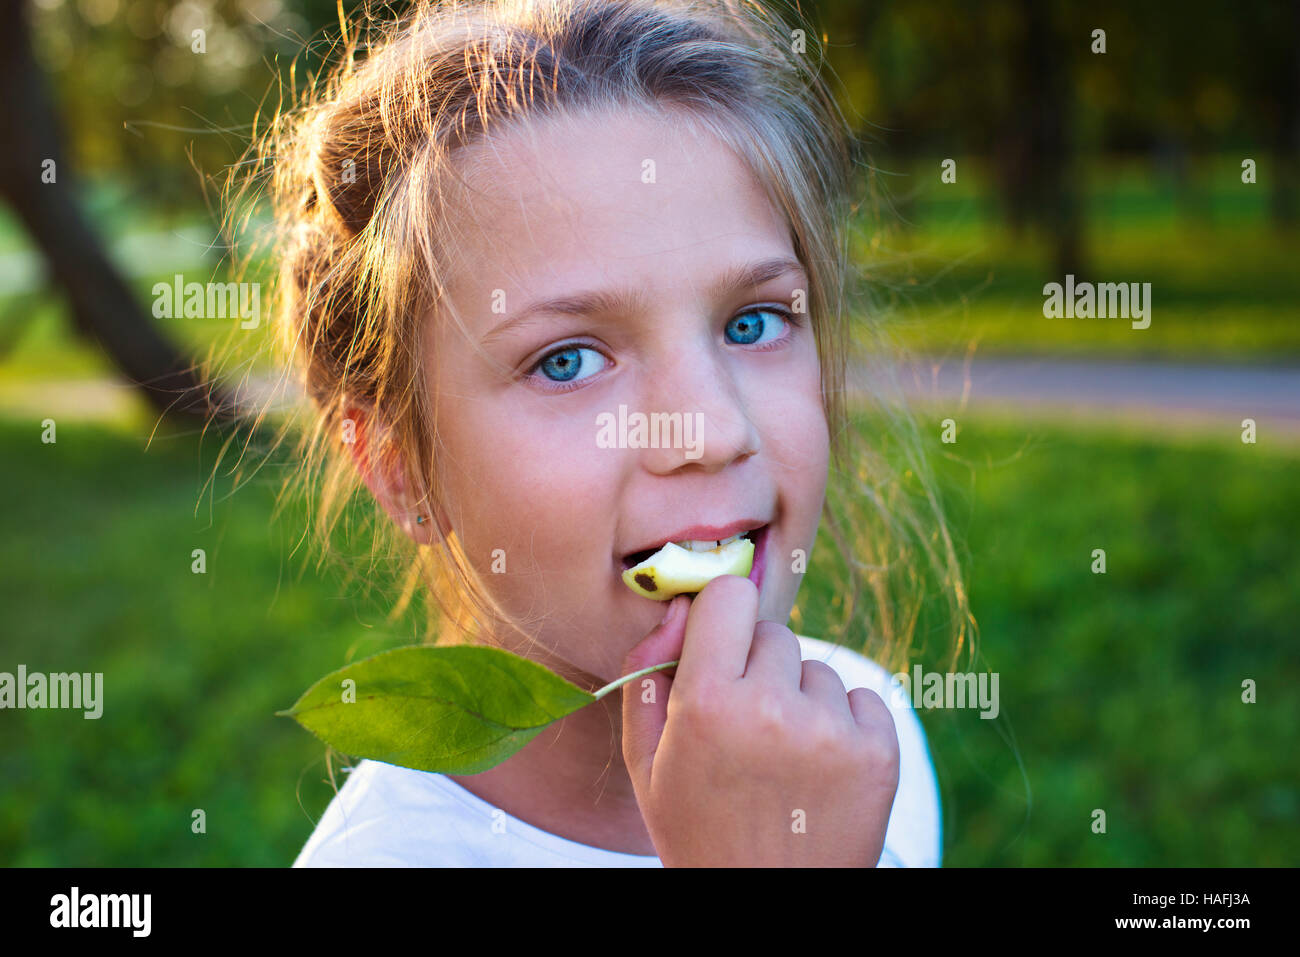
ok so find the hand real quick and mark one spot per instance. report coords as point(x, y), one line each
point(748, 756)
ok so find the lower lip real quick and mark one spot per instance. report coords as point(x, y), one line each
point(760, 554)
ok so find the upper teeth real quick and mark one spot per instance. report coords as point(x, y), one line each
point(706, 546)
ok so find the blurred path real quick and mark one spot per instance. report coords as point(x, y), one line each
point(1145, 389)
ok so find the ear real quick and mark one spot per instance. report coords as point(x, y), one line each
point(366, 436)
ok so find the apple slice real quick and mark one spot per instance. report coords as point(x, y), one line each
point(674, 570)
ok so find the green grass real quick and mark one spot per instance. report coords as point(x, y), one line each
point(1118, 691)
point(1122, 691)
point(1223, 278)
point(1226, 293)
point(97, 558)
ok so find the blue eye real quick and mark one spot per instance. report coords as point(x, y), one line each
point(750, 327)
point(563, 365)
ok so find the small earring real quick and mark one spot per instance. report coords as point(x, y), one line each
point(419, 520)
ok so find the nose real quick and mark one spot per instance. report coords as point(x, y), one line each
point(715, 428)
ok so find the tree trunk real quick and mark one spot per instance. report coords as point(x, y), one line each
point(1035, 157)
point(1286, 208)
point(103, 306)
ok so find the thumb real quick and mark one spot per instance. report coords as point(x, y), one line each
point(645, 705)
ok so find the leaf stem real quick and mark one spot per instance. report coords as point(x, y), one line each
point(619, 682)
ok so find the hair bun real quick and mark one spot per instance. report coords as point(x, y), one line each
point(344, 189)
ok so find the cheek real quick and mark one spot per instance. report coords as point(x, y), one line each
point(793, 423)
point(807, 459)
point(806, 430)
point(535, 495)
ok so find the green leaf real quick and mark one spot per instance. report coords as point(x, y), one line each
point(454, 710)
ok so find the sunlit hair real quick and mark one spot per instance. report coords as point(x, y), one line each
point(361, 170)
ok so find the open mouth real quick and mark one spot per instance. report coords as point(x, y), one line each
point(685, 567)
point(754, 535)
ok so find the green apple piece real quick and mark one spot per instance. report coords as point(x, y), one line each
point(674, 570)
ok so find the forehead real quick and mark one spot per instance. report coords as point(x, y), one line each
point(607, 198)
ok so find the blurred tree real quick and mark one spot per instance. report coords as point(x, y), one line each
point(939, 77)
point(1286, 179)
point(1037, 184)
point(36, 179)
point(1017, 82)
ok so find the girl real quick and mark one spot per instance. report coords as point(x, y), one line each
point(513, 220)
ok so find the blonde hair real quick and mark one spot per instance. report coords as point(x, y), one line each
point(359, 171)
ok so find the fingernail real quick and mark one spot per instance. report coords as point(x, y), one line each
point(672, 606)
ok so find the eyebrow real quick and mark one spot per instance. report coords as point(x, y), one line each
point(587, 303)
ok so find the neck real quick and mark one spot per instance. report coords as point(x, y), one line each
point(571, 780)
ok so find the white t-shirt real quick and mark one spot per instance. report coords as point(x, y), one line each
point(387, 816)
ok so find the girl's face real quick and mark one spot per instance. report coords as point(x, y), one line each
point(642, 234)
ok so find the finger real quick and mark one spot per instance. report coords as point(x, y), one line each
point(869, 710)
point(719, 633)
point(774, 656)
point(822, 683)
point(645, 699)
